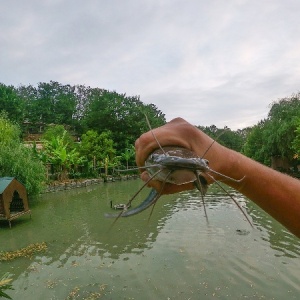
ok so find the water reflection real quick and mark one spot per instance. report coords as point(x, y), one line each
point(176, 254)
point(273, 232)
point(72, 217)
point(280, 239)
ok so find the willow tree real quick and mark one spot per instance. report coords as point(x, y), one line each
point(18, 161)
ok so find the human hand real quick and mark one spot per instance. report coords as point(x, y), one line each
point(177, 132)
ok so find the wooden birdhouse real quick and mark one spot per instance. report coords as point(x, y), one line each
point(13, 199)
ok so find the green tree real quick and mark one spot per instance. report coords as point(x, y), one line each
point(296, 141)
point(49, 103)
point(31, 120)
point(225, 136)
point(123, 116)
point(280, 130)
point(98, 148)
point(275, 135)
point(85, 108)
point(18, 161)
point(255, 146)
point(12, 103)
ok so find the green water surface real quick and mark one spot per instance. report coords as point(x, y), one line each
point(174, 254)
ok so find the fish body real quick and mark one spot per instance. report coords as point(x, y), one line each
point(174, 165)
point(183, 164)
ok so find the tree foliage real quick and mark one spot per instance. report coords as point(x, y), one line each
point(95, 146)
point(11, 103)
point(281, 127)
point(59, 153)
point(56, 132)
point(82, 108)
point(49, 103)
point(128, 155)
point(276, 135)
point(117, 119)
point(296, 141)
point(225, 136)
point(110, 122)
point(18, 161)
point(123, 116)
point(255, 146)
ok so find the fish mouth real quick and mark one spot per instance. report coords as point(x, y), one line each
point(150, 200)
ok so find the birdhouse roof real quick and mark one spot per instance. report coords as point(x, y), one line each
point(4, 183)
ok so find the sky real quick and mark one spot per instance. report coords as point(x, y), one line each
point(210, 62)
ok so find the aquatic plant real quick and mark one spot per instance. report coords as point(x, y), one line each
point(23, 252)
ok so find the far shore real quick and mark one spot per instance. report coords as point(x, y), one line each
point(56, 186)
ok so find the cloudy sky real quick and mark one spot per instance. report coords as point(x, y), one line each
point(216, 62)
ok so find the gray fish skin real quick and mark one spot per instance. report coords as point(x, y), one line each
point(185, 166)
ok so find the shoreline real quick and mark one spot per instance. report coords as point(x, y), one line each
point(79, 183)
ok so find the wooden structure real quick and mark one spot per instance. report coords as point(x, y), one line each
point(13, 199)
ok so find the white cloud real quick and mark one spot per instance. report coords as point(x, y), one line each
point(211, 62)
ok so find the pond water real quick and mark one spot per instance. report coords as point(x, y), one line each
point(174, 254)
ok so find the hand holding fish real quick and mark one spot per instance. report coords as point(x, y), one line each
point(276, 193)
point(180, 133)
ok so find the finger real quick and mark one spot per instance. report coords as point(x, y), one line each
point(146, 143)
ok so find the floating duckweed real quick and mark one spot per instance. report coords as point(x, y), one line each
point(23, 252)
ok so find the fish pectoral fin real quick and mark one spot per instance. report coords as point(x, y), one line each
point(201, 184)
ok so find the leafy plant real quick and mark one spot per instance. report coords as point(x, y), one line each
point(5, 284)
point(128, 154)
point(61, 156)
